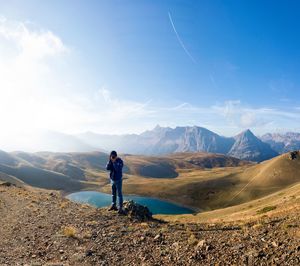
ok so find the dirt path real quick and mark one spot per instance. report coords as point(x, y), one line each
point(41, 228)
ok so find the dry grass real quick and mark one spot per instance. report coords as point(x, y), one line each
point(246, 212)
point(297, 233)
point(69, 231)
point(92, 223)
point(192, 240)
point(266, 209)
point(64, 204)
point(87, 235)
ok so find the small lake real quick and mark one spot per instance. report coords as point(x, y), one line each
point(156, 206)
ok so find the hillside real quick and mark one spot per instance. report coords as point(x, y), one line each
point(48, 170)
point(278, 203)
point(41, 228)
point(170, 166)
point(41, 178)
point(209, 189)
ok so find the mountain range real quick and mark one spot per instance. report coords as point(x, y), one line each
point(283, 142)
point(165, 140)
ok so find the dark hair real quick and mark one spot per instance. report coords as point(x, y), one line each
point(113, 154)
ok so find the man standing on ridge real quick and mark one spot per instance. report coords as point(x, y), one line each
point(115, 165)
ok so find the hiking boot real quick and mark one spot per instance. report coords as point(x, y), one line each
point(121, 211)
point(113, 208)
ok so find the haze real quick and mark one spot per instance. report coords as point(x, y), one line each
point(74, 66)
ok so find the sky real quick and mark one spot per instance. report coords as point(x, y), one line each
point(120, 67)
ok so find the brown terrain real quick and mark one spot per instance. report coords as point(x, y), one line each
point(39, 227)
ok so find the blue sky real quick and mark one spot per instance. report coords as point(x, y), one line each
point(125, 66)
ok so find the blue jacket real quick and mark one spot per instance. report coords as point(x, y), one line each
point(115, 169)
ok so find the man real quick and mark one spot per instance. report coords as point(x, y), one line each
point(115, 165)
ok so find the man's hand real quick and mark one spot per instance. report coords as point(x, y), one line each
point(113, 159)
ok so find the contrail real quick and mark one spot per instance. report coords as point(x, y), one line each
point(179, 40)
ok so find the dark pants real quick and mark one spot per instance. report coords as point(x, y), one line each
point(116, 188)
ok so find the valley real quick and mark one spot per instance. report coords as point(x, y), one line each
point(201, 181)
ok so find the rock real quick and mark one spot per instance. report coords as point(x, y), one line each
point(238, 247)
point(208, 247)
point(176, 246)
point(137, 211)
point(7, 184)
point(259, 254)
point(293, 155)
point(158, 237)
point(89, 253)
point(200, 244)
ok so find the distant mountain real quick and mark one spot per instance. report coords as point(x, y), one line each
point(162, 140)
point(283, 142)
point(248, 147)
point(8, 159)
point(46, 141)
point(191, 139)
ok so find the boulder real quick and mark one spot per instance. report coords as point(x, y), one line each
point(7, 184)
point(137, 211)
point(293, 155)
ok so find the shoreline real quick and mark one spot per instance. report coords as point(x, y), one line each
point(195, 210)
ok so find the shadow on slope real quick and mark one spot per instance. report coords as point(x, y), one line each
point(41, 178)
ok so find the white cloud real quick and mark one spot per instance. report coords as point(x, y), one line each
point(109, 113)
point(262, 119)
point(34, 44)
point(27, 81)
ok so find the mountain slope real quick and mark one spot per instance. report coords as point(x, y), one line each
point(280, 171)
point(37, 177)
point(191, 139)
point(209, 189)
point(275, 204)
point(8, 159)
point(248, 147)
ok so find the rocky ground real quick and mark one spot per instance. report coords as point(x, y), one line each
point(42, 228)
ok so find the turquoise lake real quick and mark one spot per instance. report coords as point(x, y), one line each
point(156, 206)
